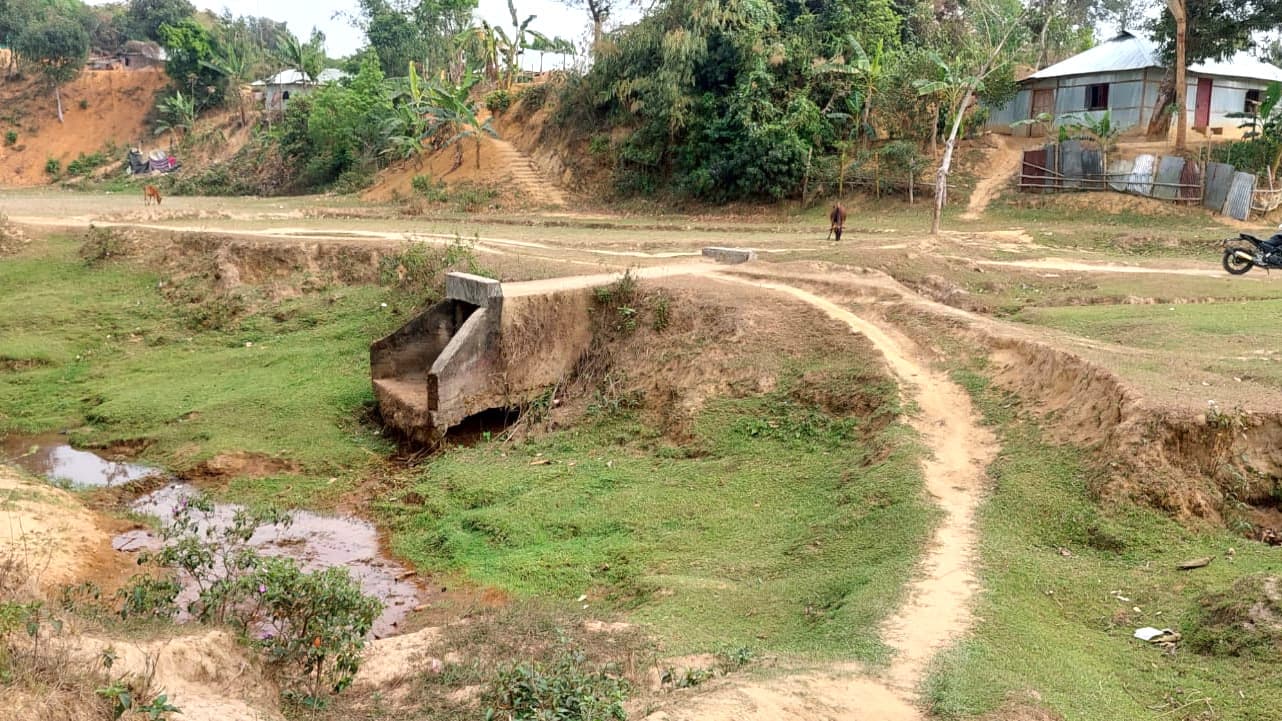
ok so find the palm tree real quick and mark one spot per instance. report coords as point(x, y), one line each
point(307, 58)
point(234, 65)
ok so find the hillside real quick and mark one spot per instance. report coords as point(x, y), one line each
point(100, 107)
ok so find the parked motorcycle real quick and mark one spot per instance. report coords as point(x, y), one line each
point(1240, 257)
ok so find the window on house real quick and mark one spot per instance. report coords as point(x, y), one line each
point(285, 95)
point(1097, 97)
point(1252, 104)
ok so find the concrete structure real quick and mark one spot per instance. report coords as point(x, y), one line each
point(1123, 76)
point(276, 91)
point(140, 54)
point(730, 256)
point(488, 346)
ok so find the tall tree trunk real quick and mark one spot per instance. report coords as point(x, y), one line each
point(1159, 123)
point(58, 95)
point(1181, 85)
point(941, 176)
point(934, 132)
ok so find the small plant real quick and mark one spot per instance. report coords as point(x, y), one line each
point(568, 689)
point(11, 138)
point(662, 314)
point(53, 167)
point(147, 597)
point(101, 245)
point(433, 191)
point(498, 101)
point(599, 144)
point(85, 164)
point(84, 103)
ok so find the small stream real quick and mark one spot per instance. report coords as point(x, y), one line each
point(314, 540)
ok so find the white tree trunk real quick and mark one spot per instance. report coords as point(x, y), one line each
point(58, 95)
point(941, 176)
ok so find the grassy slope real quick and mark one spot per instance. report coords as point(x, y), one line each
point(1233, 339)
point(785, 532)
point(1054, 624)
point(119, 361)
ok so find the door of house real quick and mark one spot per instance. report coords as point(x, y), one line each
point(1202, 111)
point(1043, 102)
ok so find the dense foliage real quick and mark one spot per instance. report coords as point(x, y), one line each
point(764, 98)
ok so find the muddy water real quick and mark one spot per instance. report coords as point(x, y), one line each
point(49, 456)
point(314, 540)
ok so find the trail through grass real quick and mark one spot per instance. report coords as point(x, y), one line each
point(776, 528)
point(1060, 625)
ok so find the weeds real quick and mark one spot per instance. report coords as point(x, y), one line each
point(567, 689)
point(434, 192)
point(421, 267)
point(102, 245)
point(10, 138)
point(85, 164)
point(53, 168)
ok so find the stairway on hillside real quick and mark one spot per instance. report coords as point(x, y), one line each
point(533, 184)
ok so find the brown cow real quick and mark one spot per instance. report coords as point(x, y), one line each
point(150, 193)
point(838, 219)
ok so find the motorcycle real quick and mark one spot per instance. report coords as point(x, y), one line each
point(1239, 258)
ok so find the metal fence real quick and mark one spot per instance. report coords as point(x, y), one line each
point(1070, 166)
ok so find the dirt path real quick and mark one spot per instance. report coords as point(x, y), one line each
point(1003, 165)
point(531, 181)
point(1078, 266)
point(937, 609)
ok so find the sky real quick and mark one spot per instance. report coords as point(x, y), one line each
point(552, 19)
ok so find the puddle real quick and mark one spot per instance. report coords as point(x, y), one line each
point(314, 540)
point(51, 457)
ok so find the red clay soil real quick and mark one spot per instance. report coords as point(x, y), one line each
point(117, 103)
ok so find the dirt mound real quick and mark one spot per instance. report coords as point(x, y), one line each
point(101, 108)
point(499, 167)
point(12, 238)
point(50, 534)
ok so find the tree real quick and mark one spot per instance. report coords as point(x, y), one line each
point(307, 58)
point(192, 53)
point(234, 66)
point(1213, 29)
point(599, 11)
point(980, 56)
point(58, 48)
point(392, 35)
point(146, 17)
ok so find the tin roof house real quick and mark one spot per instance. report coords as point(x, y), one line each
point(1123, 76)
point(276, 91)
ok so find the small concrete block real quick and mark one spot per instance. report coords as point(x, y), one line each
point(729, 255)
point(474, 289)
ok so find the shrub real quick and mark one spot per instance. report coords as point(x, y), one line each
point(565, 690)
point(423, 185)
point(498, 101)
point(11, 138)
point(534, 97)
point(53, 167)
point(85, 164)
point(84, 104)
point(316, 625)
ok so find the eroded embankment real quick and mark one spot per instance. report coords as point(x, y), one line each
point(1190, 464)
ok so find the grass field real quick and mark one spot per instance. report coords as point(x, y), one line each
point(1235, 339)
point(1061, 625)
point(103, 351)
point(777, 528)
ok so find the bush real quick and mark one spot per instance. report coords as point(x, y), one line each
point(11, 138)
point(565, 690)
point(498, 101)
point(85, 164)
point(423, 185)
point(53, 167)
point(534, 97)
point(311, 625)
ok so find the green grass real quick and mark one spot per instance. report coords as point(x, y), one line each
point(776, 528)
point(1055, 625)
point(102, 351)
point(1233, 339)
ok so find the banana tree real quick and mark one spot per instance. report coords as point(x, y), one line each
point(454, 118)
point(481, 44)
point(864, 73)
point(513, 45)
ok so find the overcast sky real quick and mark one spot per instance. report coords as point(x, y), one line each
point(552, 19)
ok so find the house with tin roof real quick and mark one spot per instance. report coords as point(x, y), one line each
point(1123, 76)
point(276, 91)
